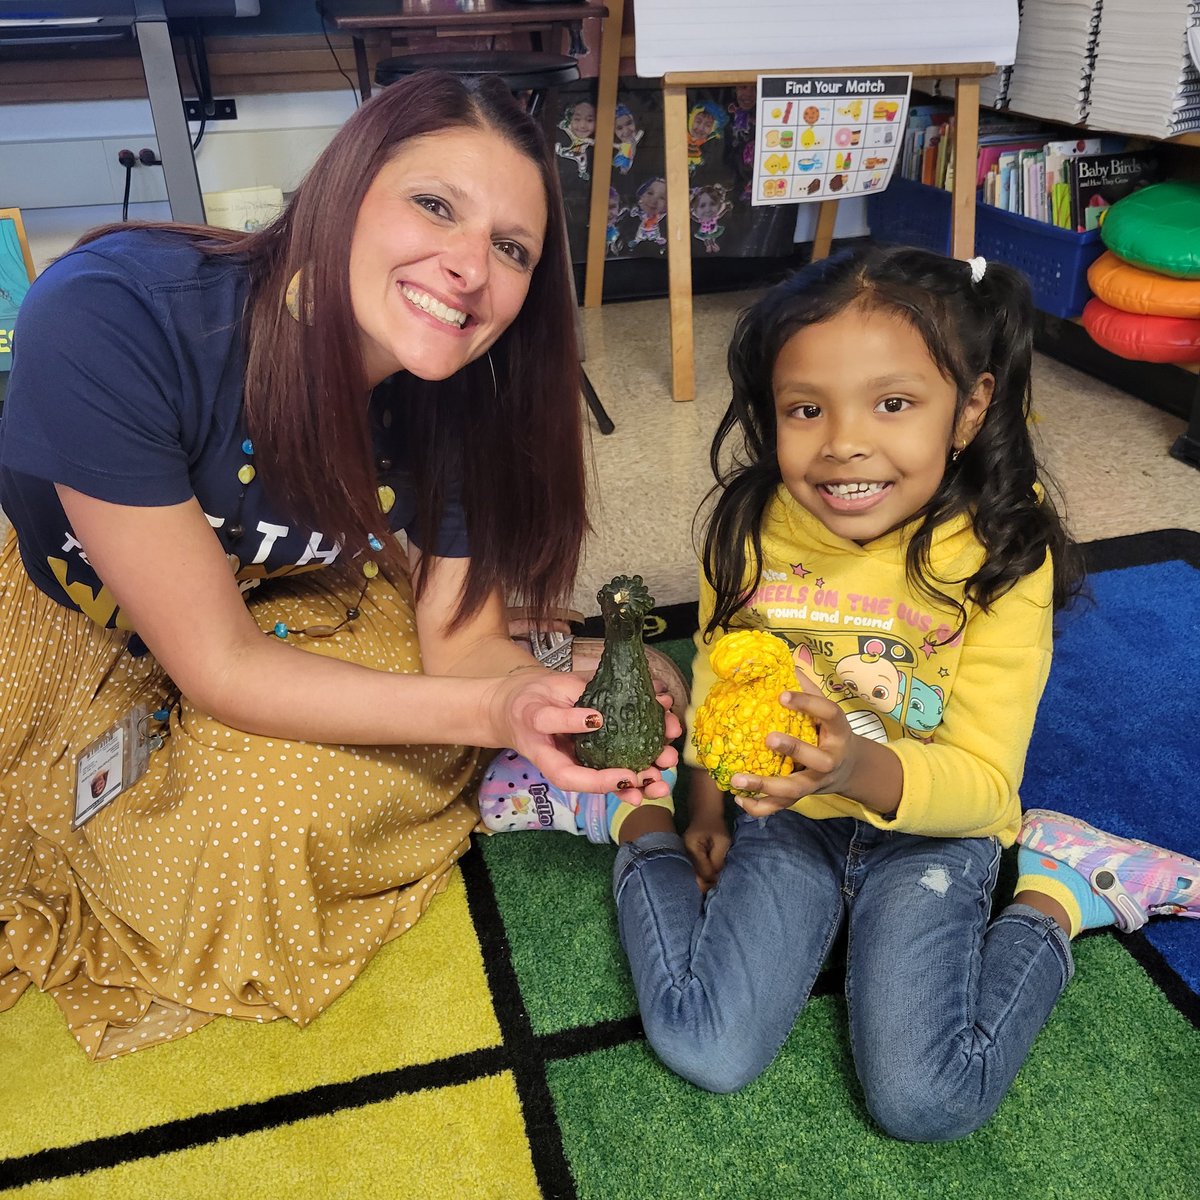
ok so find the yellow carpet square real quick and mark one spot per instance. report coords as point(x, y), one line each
point(422, 998)
point(461, 1142)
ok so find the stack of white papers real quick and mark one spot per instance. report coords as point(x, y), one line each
point(1144, 80)
point(797, 35)
point(1056, 49)
point(993, 90)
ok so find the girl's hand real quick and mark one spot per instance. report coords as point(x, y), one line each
point(533, 711)
point(707, 841)
point(707, 838)
point(828, 766)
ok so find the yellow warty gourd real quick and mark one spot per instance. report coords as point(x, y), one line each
point(742, 707)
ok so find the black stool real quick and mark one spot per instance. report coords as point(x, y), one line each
point(522, 71)
point(525, 73)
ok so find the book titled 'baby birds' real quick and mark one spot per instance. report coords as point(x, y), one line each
point(1100, 180)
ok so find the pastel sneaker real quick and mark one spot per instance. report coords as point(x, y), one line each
point(515, 795)
point(1135, 879)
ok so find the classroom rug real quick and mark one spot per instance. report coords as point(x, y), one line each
point(496, 1051)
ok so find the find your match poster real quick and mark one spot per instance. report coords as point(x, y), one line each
point(822, 137)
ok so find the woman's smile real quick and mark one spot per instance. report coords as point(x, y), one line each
point(440, 311)
point(441, 260)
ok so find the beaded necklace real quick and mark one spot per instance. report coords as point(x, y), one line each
point(236, 531)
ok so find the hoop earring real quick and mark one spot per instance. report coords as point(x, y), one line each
point(291, 299)
point(492, 368)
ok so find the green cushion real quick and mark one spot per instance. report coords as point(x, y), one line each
point(1157, 228)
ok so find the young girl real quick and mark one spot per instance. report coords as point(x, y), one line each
point(883, 514)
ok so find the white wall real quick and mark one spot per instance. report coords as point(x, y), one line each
point(58, 162)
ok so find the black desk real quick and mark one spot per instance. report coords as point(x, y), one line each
point(404, 19)
point(57, 22)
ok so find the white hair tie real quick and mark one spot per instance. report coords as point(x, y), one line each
point(978, 267)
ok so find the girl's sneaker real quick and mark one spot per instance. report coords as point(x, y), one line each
point(514, 795)
point(1135, 879)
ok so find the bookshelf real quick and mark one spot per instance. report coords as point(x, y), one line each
point(1175, 388)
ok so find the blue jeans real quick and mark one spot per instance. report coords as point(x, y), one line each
point(943, 1007)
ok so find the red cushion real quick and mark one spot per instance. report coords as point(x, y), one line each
point(1140, 337)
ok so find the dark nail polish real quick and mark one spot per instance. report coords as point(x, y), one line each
point(624, 785)
point(593, 721)
point(647, 782)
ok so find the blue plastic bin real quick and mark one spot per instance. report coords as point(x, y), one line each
point(1055, 261)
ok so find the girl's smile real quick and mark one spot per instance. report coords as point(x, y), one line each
point(866, 422)
point(855, 497)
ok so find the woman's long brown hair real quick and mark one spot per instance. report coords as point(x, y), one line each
point(514, 450)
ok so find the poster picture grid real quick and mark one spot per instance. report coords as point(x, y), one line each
point(822, 137)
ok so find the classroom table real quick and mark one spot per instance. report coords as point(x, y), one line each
point(966, 77)
point(403, 20)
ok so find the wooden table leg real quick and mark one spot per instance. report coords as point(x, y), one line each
point(823, 238)
point(966, 152)
point(679, 250)
point(602, 153)
point(360, 65)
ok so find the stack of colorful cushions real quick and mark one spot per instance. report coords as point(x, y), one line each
point(1147, 283)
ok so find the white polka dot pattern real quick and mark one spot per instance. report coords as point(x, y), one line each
point(241, 876)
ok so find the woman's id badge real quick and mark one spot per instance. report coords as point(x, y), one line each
point(115, 761)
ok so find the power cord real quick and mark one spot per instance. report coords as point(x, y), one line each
point(341, 71)
point(128, 160)
point(145, 157)
point(191, 44)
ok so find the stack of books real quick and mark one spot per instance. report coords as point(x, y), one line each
point(1066, 183)
point(1026, 167)
point(1056, 51)
point(993, 90)
point(1145, 80)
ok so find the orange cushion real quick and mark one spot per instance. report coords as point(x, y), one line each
point(1136, 290)
point(1144, 338)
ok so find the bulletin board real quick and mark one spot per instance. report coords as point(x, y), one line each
point(16, 274)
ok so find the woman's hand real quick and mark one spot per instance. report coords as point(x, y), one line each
point(533, 711)
point(841, 762)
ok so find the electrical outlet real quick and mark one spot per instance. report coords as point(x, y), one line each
point(226, 110)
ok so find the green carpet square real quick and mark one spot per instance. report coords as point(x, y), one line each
point(801, 1129)
point(554, 893)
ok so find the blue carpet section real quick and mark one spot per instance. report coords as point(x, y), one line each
point(1116, 740)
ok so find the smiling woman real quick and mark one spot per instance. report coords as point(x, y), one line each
point(439, 269)
point(257, 579)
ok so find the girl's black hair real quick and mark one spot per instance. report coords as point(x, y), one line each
point(969, 329)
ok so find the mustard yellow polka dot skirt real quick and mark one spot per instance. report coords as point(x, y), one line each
point(240, 876)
